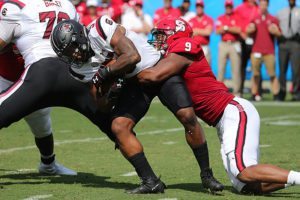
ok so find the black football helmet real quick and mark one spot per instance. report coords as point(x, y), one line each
point(70, 42)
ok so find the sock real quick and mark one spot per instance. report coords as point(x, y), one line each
point(141, 165)
point(46, 148)
point(201, 154)
point(48, 159)
point(293, 178)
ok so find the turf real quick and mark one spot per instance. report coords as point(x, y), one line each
point(80, 146)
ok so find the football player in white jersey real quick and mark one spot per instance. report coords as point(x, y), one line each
point(132, 55)
point(28, 24)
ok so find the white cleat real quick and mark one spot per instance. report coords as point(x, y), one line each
point(55, 169)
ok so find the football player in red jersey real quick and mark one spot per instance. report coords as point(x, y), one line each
point(236, 119)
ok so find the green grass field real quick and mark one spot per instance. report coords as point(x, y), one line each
point(104, 174)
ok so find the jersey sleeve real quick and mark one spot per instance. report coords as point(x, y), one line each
point(106, 27)
point(185, 46)
point(10, 16)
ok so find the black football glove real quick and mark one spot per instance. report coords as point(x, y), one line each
point(101, 75)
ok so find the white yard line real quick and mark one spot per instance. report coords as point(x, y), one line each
point(130, 174)
point(161, 131)
point(282, 117)
point(169, 143)
point(168, 199)
point(57, 143)
point(37, 197)
point(20, 171)
point(264, 145)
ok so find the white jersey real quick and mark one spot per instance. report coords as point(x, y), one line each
point(33, 22)
point(100, 33)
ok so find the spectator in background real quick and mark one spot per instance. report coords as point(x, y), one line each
point(289, 48)
point(80, 7)
point(202, 26)
point(106, 8)
point(227, 26)
point(166, 11)
point(246, 12)
point(92, 12)
point(135, 20)
point(264, 27)
point(186, 14)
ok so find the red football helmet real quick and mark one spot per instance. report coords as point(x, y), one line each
point(168, 30)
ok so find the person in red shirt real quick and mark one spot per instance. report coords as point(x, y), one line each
point(264, 28)
point(92, 12)
point(107, 8)
point(80, 7)
point(246, 12)
point(236, 119)
point(227, 26)
point(202, 26)
point(166, 11)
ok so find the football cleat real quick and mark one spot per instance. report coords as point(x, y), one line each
point(55, 169)
point(149, 186)
point(210, 182)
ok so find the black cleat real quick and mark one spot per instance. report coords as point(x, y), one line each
point(210, 182)
point(149, 186)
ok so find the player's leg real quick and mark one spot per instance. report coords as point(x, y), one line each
point(234, 57)
point(284, 55)
point(295, 62)
point(40, 125)
point(174, 95)
point(256, 65)
point(132, 106)
point(269, 61)
point(223, 51)
point(242, 150)
point(39, 122)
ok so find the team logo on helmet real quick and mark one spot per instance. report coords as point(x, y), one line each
point(4, 11)
point(66, 28)
point(180, 25)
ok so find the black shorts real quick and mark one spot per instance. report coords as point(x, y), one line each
point(48, 83)
point(135, 99)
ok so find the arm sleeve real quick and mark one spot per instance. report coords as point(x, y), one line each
point(108, 27)
point(9, 22)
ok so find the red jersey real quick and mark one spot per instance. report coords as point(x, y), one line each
point(11, 65)
point(163, 13)
point(81, 9)
point(113, 11)
point(201, 23)
point(264, 41)
point(86, 20)
point(210, 97)
point(246, 12)
point(230, 21)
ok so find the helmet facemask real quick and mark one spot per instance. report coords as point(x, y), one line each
point(160, 37)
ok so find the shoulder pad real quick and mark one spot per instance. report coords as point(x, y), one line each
point(11, 10)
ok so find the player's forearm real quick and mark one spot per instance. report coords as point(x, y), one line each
point(151, 76)
point(203, 32)
point(128, 57)
point(234, 30)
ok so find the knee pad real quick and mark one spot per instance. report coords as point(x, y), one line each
point(40, 122)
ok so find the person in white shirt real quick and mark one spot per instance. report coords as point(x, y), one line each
point(136, 20)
